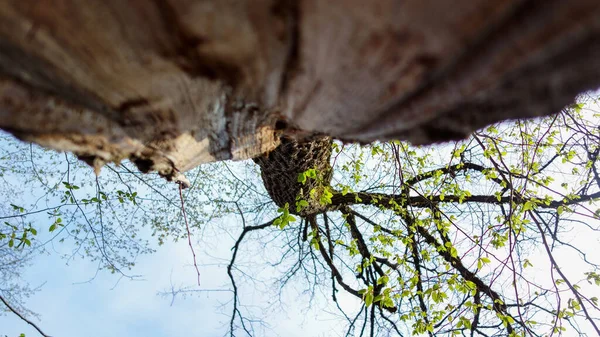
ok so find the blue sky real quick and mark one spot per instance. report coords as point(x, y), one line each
point(75, 300)
point(70, 304)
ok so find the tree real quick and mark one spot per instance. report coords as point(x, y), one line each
point(465, 238)
point(12, 287)
point(166, 84)
point(443, 246)
point(15, 253)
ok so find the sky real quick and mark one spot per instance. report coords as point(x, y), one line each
point(76, 300)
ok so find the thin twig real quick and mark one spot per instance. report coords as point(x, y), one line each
point(189, 235)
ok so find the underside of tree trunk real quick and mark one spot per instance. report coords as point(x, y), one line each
point(171, 84)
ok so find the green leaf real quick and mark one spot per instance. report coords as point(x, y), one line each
point(302, 178)
point(315, 243)
point(453, 252)
point(577, 107)
point(388, 303)
point(369, 299)
point(18, 208)
point(301, 204)
point(383, 280)
point(345, 190)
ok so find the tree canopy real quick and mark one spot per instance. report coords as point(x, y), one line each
point(493, 235)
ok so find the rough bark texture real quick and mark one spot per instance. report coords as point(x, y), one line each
point(171, 84)
point(280, 169)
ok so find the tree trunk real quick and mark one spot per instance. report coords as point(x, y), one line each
point(171, 84)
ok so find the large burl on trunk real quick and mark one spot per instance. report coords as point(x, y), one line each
point(171, 84)
point(281, 167)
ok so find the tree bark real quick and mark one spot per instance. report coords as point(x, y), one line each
point(171, 84)
point(281, 167)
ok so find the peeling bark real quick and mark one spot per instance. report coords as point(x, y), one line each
point(172, 84)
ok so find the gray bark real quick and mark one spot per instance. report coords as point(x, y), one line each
point(171, 84)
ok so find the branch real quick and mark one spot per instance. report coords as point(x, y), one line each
point(187, 227)
point(235, 248)
point(466, 274)
point(448, 169)
point(23, 318)
point(497, 302)
point(417, 262)
point(383, 200)
point(360, 241)
point(563, 276)
point(328, 260)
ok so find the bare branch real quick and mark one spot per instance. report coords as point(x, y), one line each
point(23, 318)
